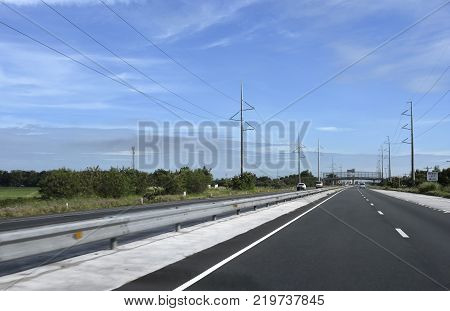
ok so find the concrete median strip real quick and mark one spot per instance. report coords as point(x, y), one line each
point(109, 269)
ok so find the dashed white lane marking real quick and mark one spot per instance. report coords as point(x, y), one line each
point(380, 212)
point(403, 234)
point(371, 204)
point(367, 200)
point(226, 260)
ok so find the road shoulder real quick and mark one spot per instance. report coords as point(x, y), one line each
point(438, 203)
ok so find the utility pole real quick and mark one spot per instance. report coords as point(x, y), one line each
point(242, 129)
point(413, 171)
point(245, 126)
point(411, 129)
point(318, 159)
point(133, 154)
point(382, 163)
point(332, 168)
point(299, 157)
point(389, 155)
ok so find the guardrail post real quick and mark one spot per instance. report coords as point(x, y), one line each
point(113, 243)
point(214, 218)
point(254, 208)
point(177, 227)
point(238, 212)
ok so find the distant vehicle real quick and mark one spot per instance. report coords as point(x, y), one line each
point(301, 186)
point(319, 184)
point(362, 185)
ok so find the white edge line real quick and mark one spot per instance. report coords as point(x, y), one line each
point(380, 212)
point(230, 258)
point(403, 234)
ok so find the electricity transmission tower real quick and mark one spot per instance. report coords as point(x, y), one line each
point(245, 126)
point(382, 162)
point(388, 142)
point(318, 159)
point(133, 152)
point(298, 149)
point(409, 113)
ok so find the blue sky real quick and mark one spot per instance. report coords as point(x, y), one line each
point(279, 49)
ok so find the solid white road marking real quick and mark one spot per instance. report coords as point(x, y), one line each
point(380, 212)
point(403, 234)
point(226, 260)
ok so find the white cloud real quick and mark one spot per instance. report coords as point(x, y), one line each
point(333, 129)
point(199, 16)
point(219, 43)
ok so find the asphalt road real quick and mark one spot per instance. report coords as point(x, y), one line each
point(29, 222)
point(355, 240)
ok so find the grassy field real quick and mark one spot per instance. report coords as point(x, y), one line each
point(18, 192)
point(29, 205)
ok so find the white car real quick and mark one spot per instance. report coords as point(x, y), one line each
point(301, 186)
point(362, 185)
point(319, 184)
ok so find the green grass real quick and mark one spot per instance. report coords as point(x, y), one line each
point(18, 192)
point(25, 206)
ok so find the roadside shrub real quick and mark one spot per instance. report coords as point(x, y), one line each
point(197, 181)
point(139, 181)
point(90, 180)
point(427, 187)
point(114, 183)
point(277, 184)
point(152, 192)
point(62, 183)
point(167, 180)
point(246, 181)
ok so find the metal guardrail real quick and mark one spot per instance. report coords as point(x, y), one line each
point(32, 241)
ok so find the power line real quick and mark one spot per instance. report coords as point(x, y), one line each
point(339, 73)
point(166, 54)
point(122, 81)
point(434, 105)
point(433, 126)
point(64, 42)
point(154, 100)
point(124, 60)
point(433, 85)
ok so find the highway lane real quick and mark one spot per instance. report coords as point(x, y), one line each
point(357, 240)
point(29, 222)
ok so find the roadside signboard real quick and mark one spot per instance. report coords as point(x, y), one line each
point(432, 176)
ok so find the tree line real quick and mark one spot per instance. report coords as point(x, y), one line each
point(119, 182)
point(421, 178)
